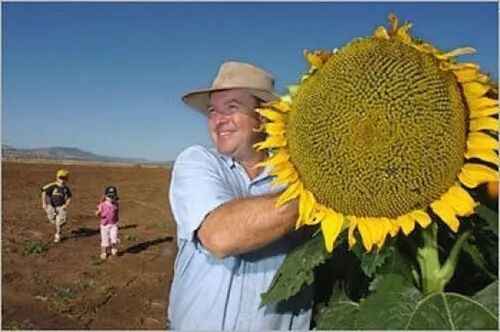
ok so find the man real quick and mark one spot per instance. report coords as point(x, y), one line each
point(231, 239)
point(56, 196)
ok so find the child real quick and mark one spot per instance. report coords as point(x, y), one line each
point(55, 199)
point(108, 210)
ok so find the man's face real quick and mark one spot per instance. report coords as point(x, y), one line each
point(231, 121)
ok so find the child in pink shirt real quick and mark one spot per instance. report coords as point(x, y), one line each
point(108, 210)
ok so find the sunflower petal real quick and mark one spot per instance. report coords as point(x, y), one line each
point(407, 224)
point(275, 128)
point(293, 89)
point(446, 213)
point(485, 155)
point(276, 159)
point(331, 227)
point(466, 74)
point(402, 33)
point(306, 205)
point(353, 224)
point(283, 104)
point(481, 103)
point(272, 115)
point(485, 123)
point(478, 113)
point(293, 191)
point(286, 173)
point(474, 89)
point(366, 233)
point(460, 201)
point(455, 53)
point(276, 141)
point(381, 33)
point(481, 141)
point(473, 175)
point(421, 217)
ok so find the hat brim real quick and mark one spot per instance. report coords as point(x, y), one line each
point(200, 99)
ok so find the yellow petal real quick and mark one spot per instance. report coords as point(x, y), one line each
point(287, 99)
point(277, 158)
point(293, 89)
point(331, 227)
point(276, 141)
point(283, 104)
point(351, 239)
point(393, 22)
point(286, 173)
point(402, 33)
point(394, 227)
point(474, 89)
point(455, 53)
point(473, 175)
point(381, 33)
point(306, 205)
point(466, 74)
point(272, 115)
point(460, 201)
point(426, 48)
point(293, 191)
point(481, 103)
point(485, 155)
point(421, 217)
point(446, 213)
point(481, 141)
point(487, 123)
point(366, 234)
point(275, 128)
point(479, 113)
point(407, 224)
point(316, 59)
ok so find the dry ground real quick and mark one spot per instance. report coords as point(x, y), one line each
point(66, 286)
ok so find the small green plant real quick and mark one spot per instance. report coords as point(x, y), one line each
point(34, 248)
point(133, 238)
point(162, 224)
point(70, 292)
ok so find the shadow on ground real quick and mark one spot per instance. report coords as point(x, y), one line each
point(86, 231)
point(145, 245)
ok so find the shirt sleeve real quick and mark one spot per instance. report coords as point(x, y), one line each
point(69, 194)
point(197, 187)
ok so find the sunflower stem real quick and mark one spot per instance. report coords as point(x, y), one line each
point(428, 259)
point(449, 266)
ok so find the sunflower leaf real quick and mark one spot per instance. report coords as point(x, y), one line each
point(339, 313)
point(490, 216)
point(372, 261)
point(398, 305)
point(297, 271)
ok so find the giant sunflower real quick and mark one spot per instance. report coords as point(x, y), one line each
point(382, 134)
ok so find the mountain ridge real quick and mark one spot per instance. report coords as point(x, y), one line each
point(70, 153)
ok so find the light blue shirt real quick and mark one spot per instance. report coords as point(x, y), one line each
point(223, 294)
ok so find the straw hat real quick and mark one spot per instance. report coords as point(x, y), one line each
point(234, 75)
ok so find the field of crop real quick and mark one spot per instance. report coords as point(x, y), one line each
point(46, 285)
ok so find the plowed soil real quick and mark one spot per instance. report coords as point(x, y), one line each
point(47, 285)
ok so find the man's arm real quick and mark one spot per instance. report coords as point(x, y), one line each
point(246, 224)
point(44, 199)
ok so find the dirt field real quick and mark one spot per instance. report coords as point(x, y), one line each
point(66, 286)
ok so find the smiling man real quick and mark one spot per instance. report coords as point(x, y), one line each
point(231, 239)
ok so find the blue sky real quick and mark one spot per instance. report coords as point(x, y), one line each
point(108, 77)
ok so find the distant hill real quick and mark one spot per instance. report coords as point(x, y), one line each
point(65, 153)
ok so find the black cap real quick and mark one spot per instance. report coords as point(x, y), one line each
point(111, 192)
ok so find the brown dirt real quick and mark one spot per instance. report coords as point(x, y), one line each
point(67, 286)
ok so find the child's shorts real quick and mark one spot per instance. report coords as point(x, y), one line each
point(56, 215)
point(109, 234)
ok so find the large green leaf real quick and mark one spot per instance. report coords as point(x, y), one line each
point(490, 216)
point(297, 270)
point(339, 314)
point(398, 305)
point(488, 297)
point(371, 261)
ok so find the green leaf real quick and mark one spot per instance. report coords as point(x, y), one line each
point(297, 270)
point(451, 311)
point(390, 306)
point(477, 257)
point(395, 263)
point(488, 297)
point(490, 216)
point(339, 314)
point(397, 305)
point(371, 261)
